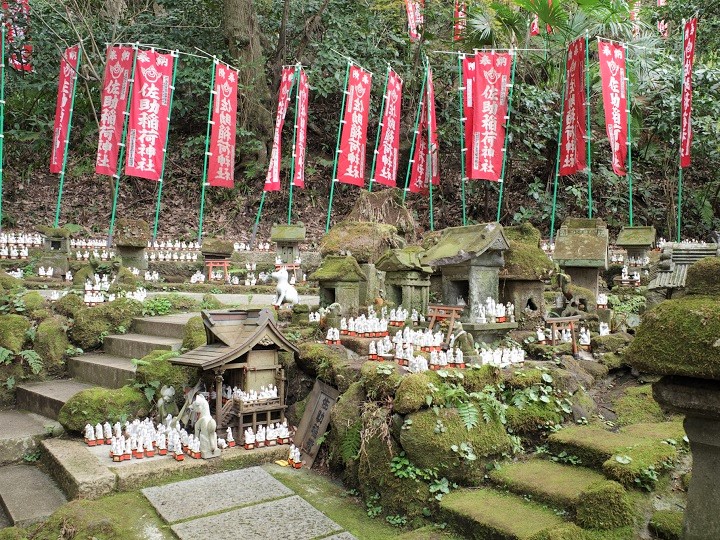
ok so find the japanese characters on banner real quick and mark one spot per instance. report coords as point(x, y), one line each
point(424, 167)
point(414, 9)
point(489, 111)
point(272, 180)
point(149, 114)
point(66, 84)
point(662, 26)
point(114, 98)
point(303, 95)
point(221, 161)
point(433, 169)
point(351, 161)
point(468, 82)
point(389, 147)
point(689, 35)
point(612, 73)
point(17, 22)
point(460, 15)
point(572, 149)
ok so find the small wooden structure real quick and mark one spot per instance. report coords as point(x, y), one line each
point(637, 241)
point(242, 350)
point(563, 323)
point(212, 265)
point(439, 313)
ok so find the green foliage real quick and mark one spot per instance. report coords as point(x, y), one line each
point(157, 306)
point(13, 331)
point(33, 360)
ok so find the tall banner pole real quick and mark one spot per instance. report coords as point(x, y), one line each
point(429, 159)
point(257, 220)
point(588, 131)
point(121, 154)
point(67, 139)
point(557, 158)
point(207, 147)
point(415, 134)
point(296, 80)
point(380, 126)
point(507, 135)
point(337, 147)
point(167, 134)
point(629, 134)
point(463, 150)
point(2, 114)
point(680, 167)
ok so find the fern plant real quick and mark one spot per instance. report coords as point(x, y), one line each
point(33, 359)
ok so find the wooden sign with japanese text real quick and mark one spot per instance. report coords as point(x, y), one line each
point(315, 421)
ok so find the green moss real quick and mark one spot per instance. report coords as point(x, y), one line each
point(294, 232)
point(667, 524)
point(329, 364)
point(410, 395)
point(532, 417)
point(93, 324)
point(638, 405)
point(525, 259)
point(611, 360)
point(82, 275)
point(566, 531)
point(604, 505)
point(583, 296)
point(68, 305)
point(51, 341)
point(686, 328)
point(612, 343)
point(380, 379)
point(194, 335)
point(523, 378)
point(475, 379)
point(133, 233)
point(54, 232)
point(156, 367)
point(427, 448)
point(102, 404)
point(13, 332)
point(703, 277)
point(346, 425)
point(34, 304)
point(218, 246)
point(211, 302)
point(367, 241)
point(7, 282)
point(338, 268)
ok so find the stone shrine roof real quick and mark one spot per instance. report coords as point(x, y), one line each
point(338, 268)
point(403, 260)
point(525, 260)
point(287, 233)
point(675, 261)
point(582, 243)
point(636, 237)
point(457, 245)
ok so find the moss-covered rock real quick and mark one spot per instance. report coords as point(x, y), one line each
point(703, 277)
point(54, 232)
point(567, 531)
point(637, 405)
point(334, 365)
point(194, 334)
point(155, 369)
point(132, 233)
point(34, 304)
point(476, 378)
point(525, 259)
point(533, 417)
point(218, 246)
point(344, 440)
point(69, 305)
point(367, 241)
point(380, 379)
point(210, 301)
point(687, 328)
point(94, 323)
point(612, 343)
point(430, 437)
point(13, 332)
point(51, 341)
point(7, 282)
point(102, 404)
point(604, 505)
point(82, 275)
point(667, 524)
point(411, 393)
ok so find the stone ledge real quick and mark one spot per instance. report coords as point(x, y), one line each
point(76, 470)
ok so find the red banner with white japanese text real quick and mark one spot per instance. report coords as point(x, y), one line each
point(303, 96)
point(221, 161)
point(460, 16)
point(689, 35)
point(614, 89)
point(468, 82)
point(113, 102)
point(389, 147)
point(434, 163)
point(414, 9)
point(17, 22)
point(572, 146)
point(418, 165)
point(351, 161)
point(272, 180)
point(490, 107)
point(149, 114)
point(66, 84)
point(425, 168)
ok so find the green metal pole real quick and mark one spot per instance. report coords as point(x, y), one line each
point(167, 134)
point(680, 168)
point(121, 155)
point(257, 219)
point(207, 147)
point(507, 135)
point(415, 134)
point(67, 140)
point(588, 133)
point(557, 157)
point(429, 165)
point(463, 150)
point(380, 126)
point(2, 114)
point(337, 148)
point(629, 135)
point(295, 128)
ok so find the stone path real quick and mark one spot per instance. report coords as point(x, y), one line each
point(247, 503)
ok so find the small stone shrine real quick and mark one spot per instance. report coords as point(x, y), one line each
point(55, 250)
point(131, 238)
point(637, 241)
point(581, 250)
point(287, 238)
point(340, 278)
point(675, 260)
point(241, 359)
point(407, 280)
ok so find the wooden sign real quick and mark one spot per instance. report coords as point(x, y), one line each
point(315, 421)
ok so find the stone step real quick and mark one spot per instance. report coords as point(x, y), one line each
point(138, 345)
point(172, 326)
point(28, 495)
point(47, 398)
point(21, 433)
point(102, 370)
point(487, 513)
point(76, 470)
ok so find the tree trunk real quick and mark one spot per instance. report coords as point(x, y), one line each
point(243, 35)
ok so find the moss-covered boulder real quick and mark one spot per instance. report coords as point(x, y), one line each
point(94, 323)
point(667, 524)
point(156, 370)
point(51, 341)
point(412, 391)
point(380, 379)
point(82, 275)
point(102, 404)
point(334, 365)
point(218, 246)
point(210, 301)
point(194, 334)
point(638, 405)
point(384, 206)
point(34, 305)
point(7, 282)
point(133, 233)
point(612, 343)
point(604, 505)
point(525, 259)
point(476, 378)
point(69, 305)
point(430, 438)
point(365, 240)
point(13, 331)
point(533, 417)
point(344, 439)
point(567, 531)
point(703, 277)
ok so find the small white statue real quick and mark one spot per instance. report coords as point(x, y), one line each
point(284, 291)
point(205, 428)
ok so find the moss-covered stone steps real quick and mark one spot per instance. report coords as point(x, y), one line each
point(488, 514)
point(21, 433)
point(171, 326)
point(138, 345)
point(47, 398)
point(102, 369)
point(36, 499)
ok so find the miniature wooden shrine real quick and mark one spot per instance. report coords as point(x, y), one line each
point(339, 278)
point(407, 280)
point(675, 260)
point(288, 238)
point(242, 352)
point(581, 250)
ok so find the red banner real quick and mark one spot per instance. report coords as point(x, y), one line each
point(418, 166)
point(434, 164)
point(490, 106)
point(612, 73)
point(468, 82)
point(351, 162)
point(414, 9)
point(460, 15)
point(572, 148)
point(272, 180)
point(303, 96)
point(389, 148)
point(17, 23)
point(114, 97)
point(221, 161)
point(686, 137)
point(66, 84)
point(426, 170)
point(149, 114)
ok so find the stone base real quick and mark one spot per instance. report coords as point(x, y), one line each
point(489, 333)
